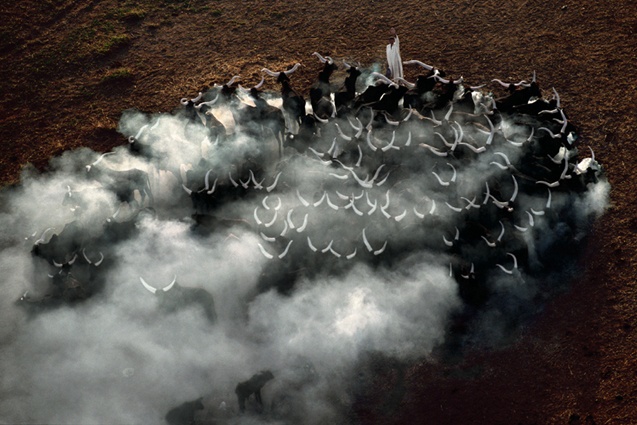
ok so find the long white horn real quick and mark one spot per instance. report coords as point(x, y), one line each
point(208, 103)
point(406, 83)
point(167, 288)
point(85, 257)
point(384, 78)
point(233, 80)
point(270, 73)
point(265, 253)
point(367, 244)
point(273, 185)
point(147, 286)
point(197, 98)
point(287, 248)
point(515, 189)
point(294, 68)
point(415, 62)
point(321, 58)
point(207, 179)
point(258, 86)
point(101, 158)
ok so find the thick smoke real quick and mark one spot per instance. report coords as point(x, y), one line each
point(377, 234)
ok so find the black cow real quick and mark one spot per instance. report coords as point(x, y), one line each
point(184, 414)
point(293, 102)
point(252, 386)
point(122, 183)
point(174, 297)
point(343, 99)
point(326, 73)
point(62, 246)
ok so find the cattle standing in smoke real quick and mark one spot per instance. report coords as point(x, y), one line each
point(252, 386)
point(343, 99)
point(124, 184)
point(320, 96)
point(293, 102)
point(375, 201)
point(174, 297)
point(184, 414)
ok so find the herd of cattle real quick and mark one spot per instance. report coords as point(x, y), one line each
point(371, 170)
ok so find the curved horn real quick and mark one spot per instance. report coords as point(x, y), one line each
point(321, 58)
point(515, 189)
point(184, 101)
point(214, 186)
point(384, 78)
point(415, 62)
point(188, 191)
point(85, 257)
point(233, 80)
point(321, 120)
point(406, 83)
point(346, 65)
point(304, 225)
point(97, 264)
point(287, 248)
point(197, 98)
point(258, 86)
point(101, 158)
point(294, 68)
point(210, 102)
point(329, 60)
point(147, 286)
point(273, 185)
point(270, 73)
point(367, 244)
point(207, 179)
point(168, 288)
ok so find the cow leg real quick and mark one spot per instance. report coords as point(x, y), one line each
point(242, 403)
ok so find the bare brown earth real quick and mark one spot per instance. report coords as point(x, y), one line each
point(70, 67)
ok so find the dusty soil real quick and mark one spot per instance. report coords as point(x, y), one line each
point(70, 67)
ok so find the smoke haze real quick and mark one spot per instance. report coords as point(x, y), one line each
point(377, 253)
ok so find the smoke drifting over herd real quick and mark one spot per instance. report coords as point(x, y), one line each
point(228, 238)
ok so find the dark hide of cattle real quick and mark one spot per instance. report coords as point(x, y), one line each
point(252, 386)
point(123, 183)
point(343, 99)
point(184, 414)
point(175, 297)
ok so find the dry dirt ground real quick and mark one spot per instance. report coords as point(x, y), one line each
point(70, 67)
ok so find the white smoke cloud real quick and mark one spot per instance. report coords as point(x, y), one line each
point(371, 255)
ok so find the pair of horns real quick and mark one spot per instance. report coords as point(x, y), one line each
point(323, 59)
point(276, 74)
point(153, 290)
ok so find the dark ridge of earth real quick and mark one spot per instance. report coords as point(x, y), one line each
point(577, 363)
